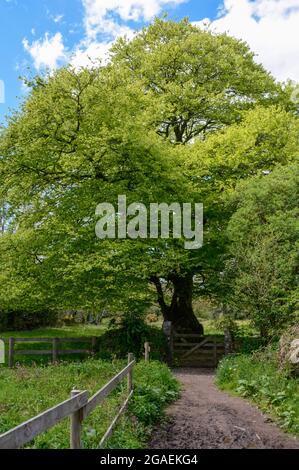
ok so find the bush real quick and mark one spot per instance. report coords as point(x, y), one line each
point(27, 319)
point(131, 332)
point(156, 387)
point(129, 335)
point(257, 376)
point(226, 322)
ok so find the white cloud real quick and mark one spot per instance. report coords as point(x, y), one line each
point(87, 54)
point(270, 27)
point(57, 18)
point(108, 19)
point(104, 21)
point(100, 15)
point(48, 52)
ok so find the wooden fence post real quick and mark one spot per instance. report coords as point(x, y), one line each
point(130, 373)
point(76, 424)
point(11, 352)
point(147, 351)
point(168, 331)
point(93, 344)
point(55, 349)
point(171, 346)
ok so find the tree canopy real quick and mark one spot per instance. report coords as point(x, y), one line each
point(263, 270)
point(177, 115)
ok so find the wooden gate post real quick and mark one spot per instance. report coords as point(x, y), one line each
point(147, 351)
point(11, 351)
point(130, 373)
point(76, 424)
point(228, 341)
point(168, 331)
point(171, 346)
point(215, 352)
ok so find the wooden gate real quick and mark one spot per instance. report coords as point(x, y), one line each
point(194, 350)
point(191, 350)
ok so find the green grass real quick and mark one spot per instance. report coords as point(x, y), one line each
point(110, 344)
point(26, 391)
point(257, 377)
point(244, 328)
point(210, 327)
point(60, 332)
point(52, 332)
point(98, 330)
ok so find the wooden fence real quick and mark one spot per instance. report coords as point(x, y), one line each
point(54, 351)
point(77, 407)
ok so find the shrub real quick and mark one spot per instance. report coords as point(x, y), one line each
point(129, 333)
point(27, 319)
point(257, 376)
point(156, 387)
point(226, 322)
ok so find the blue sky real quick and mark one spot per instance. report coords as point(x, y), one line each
point(49, 33)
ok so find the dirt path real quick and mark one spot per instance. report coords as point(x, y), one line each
point(206, 418)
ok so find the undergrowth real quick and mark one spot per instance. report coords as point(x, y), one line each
point(258, 377)
point(26, 391)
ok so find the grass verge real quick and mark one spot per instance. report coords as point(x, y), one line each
point(257, 377)
point(26, 391)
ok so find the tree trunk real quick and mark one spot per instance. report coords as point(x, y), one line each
point(180, 311)
point(264, 333)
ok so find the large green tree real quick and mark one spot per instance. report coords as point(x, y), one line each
point(178, 115)
point(262, 272)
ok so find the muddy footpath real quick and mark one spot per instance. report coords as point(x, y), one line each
point(207, 418)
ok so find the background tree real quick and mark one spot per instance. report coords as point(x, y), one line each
point(263, 270)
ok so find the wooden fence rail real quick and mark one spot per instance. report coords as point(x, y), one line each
point(78, 407)
point(54, 351)
point(25, 432)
